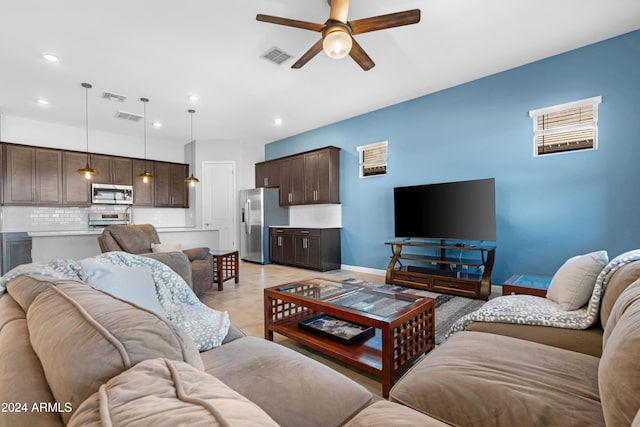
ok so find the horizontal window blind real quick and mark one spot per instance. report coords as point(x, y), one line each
point(373, 159)
point(566, 127)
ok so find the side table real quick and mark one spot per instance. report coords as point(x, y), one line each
point(525, 284)
point(225, 266)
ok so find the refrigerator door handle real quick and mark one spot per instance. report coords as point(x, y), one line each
point(247, 223)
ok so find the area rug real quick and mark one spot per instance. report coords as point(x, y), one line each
point(449, 308)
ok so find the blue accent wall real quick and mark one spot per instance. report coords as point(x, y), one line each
point(549, 208)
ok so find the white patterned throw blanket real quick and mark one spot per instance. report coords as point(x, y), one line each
point(530, 310)
point(207, 327)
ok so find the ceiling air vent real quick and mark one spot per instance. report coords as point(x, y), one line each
point(113, 97)
point(276, 55)
point(129, 116)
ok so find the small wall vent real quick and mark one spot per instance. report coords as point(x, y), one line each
point(113, 97)
point(129, 116)
point(276, 55)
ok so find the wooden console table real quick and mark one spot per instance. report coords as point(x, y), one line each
point(468, 276)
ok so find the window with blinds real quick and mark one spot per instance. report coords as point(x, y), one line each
point(566, 127)
point(373, 159)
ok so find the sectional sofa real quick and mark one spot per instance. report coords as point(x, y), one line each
point(71, 354)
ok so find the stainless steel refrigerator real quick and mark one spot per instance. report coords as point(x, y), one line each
point(259, 209)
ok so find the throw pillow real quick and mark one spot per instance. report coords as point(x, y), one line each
point(166, 247)
point(572, 285)
point(168, 393)
point(133, 284)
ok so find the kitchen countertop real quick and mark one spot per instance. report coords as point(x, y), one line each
point(95, 232)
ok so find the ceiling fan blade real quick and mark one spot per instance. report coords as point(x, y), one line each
point(360, 56)
point(339, 10)
point(382, 22)
point(308, 55)
point(312, 26)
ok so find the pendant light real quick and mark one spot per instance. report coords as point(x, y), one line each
point(192, 180)
point(87, 171)
point(146, 176)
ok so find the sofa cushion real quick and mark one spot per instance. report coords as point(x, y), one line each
point(293, 389)
point(573, 283)
point(618, 282)
point(587, 341)
point(160, 392)
point(23, 380)
point(477, 378)
point(177, 261)
point(619, 370)
point(83, 336)
point(386, 414)
point(133, 284)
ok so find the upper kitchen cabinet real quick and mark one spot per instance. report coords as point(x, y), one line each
point(322, 176)
point(268, 174)
point(76, 189)
point(292, 180)
point(142, 191)
point(308, 178)
point(33, 176)
point(112, 169)
point(170, 189)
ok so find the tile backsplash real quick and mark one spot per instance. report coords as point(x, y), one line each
point(34, 218)
point(316, 216)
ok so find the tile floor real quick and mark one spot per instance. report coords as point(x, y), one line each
point(244, 302)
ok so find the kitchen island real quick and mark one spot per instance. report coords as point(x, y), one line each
point(78, 244)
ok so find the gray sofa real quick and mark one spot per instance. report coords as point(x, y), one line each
point(73, 355)
point(511, 375)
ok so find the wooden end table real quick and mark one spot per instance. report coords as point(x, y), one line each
point(526, 284)
point(225, 266)
point(404, 324)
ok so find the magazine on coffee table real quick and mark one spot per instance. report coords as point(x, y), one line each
point(337, 329)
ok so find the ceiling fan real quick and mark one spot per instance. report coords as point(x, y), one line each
point(337, 33)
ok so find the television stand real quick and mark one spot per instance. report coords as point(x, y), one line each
point(468, 276)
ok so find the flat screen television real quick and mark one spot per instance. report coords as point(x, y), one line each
point(463, 210)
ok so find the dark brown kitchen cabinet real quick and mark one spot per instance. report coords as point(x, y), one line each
point(33, 176)
point(308, 178)
point(142, 191)
point(112, 169)
point(292, 181)
point(268, 174)
point(312, 248)
point(170, 190)
point(76, 189)
point(322, 176)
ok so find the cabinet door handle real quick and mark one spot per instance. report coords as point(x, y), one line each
point(266, 181)
point(304, 232)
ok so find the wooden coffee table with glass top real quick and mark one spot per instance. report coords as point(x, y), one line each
point(396, 328)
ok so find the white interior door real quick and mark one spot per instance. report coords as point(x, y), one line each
point(219, 201)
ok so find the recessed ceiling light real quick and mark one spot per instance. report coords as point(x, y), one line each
point(156, 124)
point(51, 58)
point(277, 121)
point(193, 98)
point(42, 101)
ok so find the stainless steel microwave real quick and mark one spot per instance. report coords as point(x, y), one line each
point(108, 194)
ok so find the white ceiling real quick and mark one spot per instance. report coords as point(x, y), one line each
point(166, 49)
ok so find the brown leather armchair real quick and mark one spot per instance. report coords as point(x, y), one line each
point(139, 238)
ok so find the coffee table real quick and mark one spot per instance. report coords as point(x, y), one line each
point(404, 324)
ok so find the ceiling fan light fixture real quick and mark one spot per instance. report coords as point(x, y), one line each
point(337, 42)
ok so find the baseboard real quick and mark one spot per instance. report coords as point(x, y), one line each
point(366, 270)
